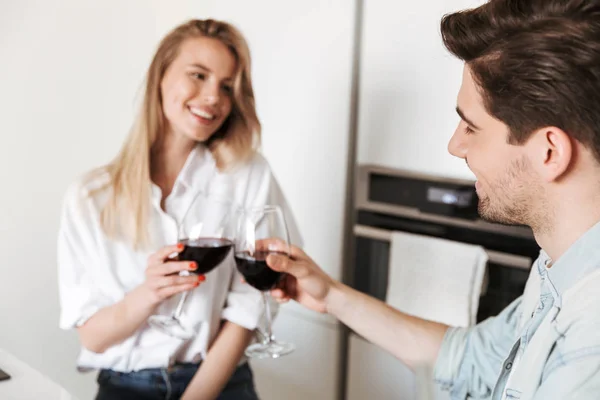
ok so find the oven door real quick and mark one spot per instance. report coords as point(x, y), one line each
point(505, 278)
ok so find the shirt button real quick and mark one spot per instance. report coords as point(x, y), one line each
point(508, 366)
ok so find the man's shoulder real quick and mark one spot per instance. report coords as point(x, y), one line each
point(578, 320)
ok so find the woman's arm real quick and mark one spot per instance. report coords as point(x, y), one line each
point(113, 324)
point(221, 361)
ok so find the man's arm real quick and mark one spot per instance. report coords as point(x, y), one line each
point(467, 360)
point(413, 340)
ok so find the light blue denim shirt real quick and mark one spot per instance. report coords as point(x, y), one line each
point(544, 346)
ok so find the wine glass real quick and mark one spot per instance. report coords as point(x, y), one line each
point(262, 231)
point(206, 232)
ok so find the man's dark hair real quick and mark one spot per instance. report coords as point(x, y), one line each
point(537, 63)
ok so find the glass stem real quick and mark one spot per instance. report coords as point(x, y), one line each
point(268, 317)
point(179, 308)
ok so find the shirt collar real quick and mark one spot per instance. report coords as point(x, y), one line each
point(193, 174)
point(581, 259)
point(199, 158)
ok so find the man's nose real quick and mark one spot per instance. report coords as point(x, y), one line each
point(457, 146)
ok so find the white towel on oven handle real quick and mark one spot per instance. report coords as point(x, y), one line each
point(436, 279)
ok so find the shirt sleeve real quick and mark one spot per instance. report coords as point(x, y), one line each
point(77, 256)
point(470, 358)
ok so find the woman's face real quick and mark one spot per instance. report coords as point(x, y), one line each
point(197, 88)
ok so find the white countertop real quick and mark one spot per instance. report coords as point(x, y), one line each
point(26, 383)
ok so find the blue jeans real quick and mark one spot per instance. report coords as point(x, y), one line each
point(168, 384)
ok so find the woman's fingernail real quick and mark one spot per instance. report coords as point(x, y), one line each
point(201, 278)
point(179, 246)
point(193, 266)
point(196, 284)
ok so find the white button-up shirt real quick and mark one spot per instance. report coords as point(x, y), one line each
point(95, 271)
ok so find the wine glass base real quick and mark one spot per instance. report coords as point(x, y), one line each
point(271, 349)
point(171, 326)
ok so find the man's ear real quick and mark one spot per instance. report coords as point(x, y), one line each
point(551, 150)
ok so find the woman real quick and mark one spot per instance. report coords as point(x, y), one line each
point(197, 130)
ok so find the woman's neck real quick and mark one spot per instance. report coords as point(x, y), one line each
point(168, 159)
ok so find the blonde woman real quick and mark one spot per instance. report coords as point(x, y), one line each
point(197, 130)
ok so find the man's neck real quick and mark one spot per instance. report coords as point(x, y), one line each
point(570, 220)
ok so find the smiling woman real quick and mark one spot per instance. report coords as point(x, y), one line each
point(196, 88)
point(197, 132)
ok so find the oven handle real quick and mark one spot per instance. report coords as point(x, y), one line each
point(496, 257)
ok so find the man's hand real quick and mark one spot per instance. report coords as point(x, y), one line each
point(304, 281)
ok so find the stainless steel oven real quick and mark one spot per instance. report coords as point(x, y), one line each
point(391, 200)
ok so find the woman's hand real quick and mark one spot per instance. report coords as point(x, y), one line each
point(166, 276)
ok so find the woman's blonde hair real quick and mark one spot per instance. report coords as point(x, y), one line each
point(126, 213)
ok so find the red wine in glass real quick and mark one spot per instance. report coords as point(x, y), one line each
point(261, 231)
point(206, 231)
point(206, 252)
point(255, 270)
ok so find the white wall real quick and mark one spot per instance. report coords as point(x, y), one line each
point(69, 74)
point(408, 87)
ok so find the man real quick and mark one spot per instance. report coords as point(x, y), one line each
point(530, 131)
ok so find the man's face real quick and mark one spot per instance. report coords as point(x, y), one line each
point(508, 190)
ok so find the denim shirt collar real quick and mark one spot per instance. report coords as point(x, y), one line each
point(581, 259)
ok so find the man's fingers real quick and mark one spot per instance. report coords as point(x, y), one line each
point(298, 268)
point(274, 245)
point(283, 301)
point(286, 289)
point(278, 294)
point(297, 253)
point(281, 263)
